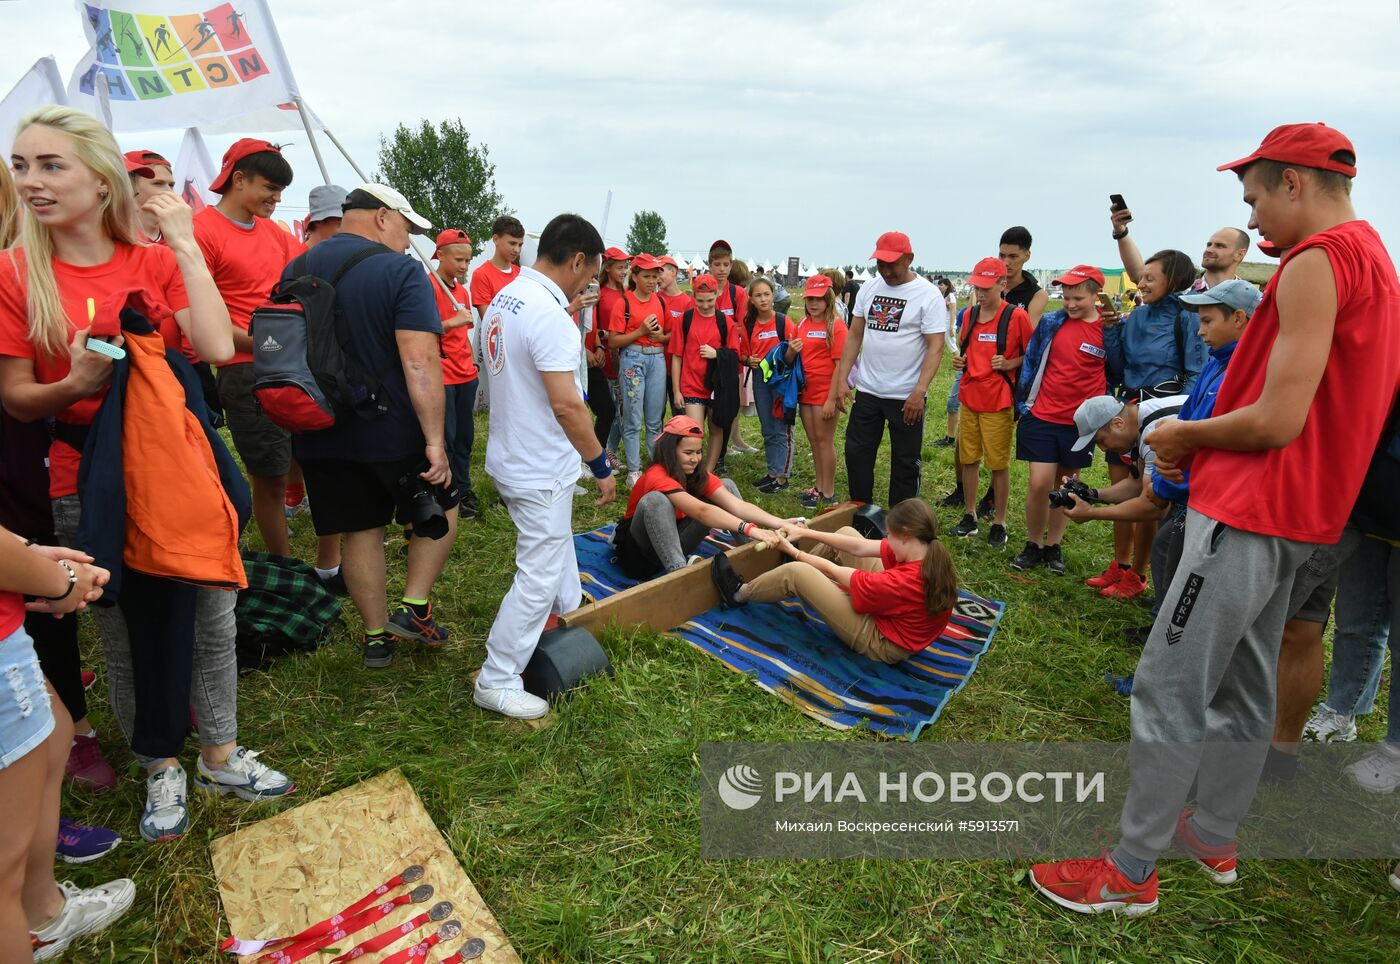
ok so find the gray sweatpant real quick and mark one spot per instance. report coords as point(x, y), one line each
point(654, 527)
point(214, 680)
point(1203, 694)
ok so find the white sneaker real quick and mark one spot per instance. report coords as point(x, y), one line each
point(1395, 877)
point(692, 559)
point(632, 478)
point(579, 490)
point(516, 704)
point(84, 912)
point(1329, 726)
point(166, 815)
point(1378, 772)
point(244, 777)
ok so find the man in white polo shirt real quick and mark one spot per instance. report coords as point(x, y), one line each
point(540, 427)
point(897, 333)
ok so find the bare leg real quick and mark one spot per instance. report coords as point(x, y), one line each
point(1122, 531)
point(1143, 534)
point(1299, 681)
point(363, 570)
point(41, 895)
point(1058, 520)
point(1042, 480)
point(426, 557)
point(1001, 489)
point(327, 552)
point(269, 505)
point(970, 477)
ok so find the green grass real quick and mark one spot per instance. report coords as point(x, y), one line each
point(584, 836)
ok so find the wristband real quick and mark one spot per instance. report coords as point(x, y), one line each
point(745, 528)
point(1120, 237)
point(599, 466)
point(72, 581)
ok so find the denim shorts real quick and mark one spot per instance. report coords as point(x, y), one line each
point(26, 718)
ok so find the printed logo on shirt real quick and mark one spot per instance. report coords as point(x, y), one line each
point(987, 336)
point(817, 333)
point(884, 313)
point(1181, 614)
point(495, 343)
point(1094, 350)
point(270, 345)
point(762, 335)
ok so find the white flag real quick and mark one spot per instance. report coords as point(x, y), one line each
point(195, 171)
point(165, 64)
point(37, 88)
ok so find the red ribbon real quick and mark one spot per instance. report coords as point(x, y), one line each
point(295, 952)
point(469, 951)
point(418, 951)
point(381, 941)
point(408, 874)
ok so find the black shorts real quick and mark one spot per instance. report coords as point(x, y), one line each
point(358, 496)
point(1041, 441)
point(638, 560)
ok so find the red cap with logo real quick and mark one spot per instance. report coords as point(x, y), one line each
point(987, 273)
point(720, 244)
point(141, 162)
point(682, 425)
point(667, 259)
point(645, 262)
point(891, 246)
point(706, 282)
point(1307, 145)
point(451, 236)
point(241, 148)
point(616, 254)
point(817, 286)
point(1079, 274)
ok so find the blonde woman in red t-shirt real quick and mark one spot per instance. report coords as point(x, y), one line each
point(820, 339)
point(886, 599)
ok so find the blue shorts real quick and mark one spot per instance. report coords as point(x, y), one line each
point(953, 403)
point(1041, 441)
point(26, 718)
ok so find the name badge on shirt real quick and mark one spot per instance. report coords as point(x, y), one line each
point(987, 336)
point(817, 334)
point(767, 334)
point(1094, 350)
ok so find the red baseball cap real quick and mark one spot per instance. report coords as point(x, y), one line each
point(645, 262)
point(451, 236)
point(891, 246)
point(1268, 249)
point(241, 148)
point(987, 272)
point(616, 254)
point(137, 167)
point(1307, 145)
point(720, 243)
point(706, 282)
point(667, 259)
point(1079, 274)
point(139, 161)
point(682, 425)
point(817, 286)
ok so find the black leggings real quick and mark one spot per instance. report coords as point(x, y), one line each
point(56, 643)
point(600, 403)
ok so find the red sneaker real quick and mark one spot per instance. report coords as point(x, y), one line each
point(1109, 577)
point(87, 766)
point(88, 677)
point(1130, 585)
point(294, 495)
point(1095, 886)
point(1218, 861)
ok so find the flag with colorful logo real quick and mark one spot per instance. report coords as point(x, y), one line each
point(195, 171)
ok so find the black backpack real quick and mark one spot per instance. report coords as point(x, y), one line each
point(720, 323)
point(1003, 327)
point(1377, 510)
point(304, 378)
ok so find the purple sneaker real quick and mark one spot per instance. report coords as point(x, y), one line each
point(78, 844)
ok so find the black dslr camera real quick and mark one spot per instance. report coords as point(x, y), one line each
point(1060, 498)
point(418, 506)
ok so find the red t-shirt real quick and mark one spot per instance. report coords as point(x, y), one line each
point(818, 361)
point(983, 389)
point(12, 613)
point(733, 312)
point(765, 336)
point(1074, 372)
point(703, 331)
point(895, 596)
point(246, 263)
point(628, 313)
point(608, 300)
point(458, 365)
point(1305, 490)
point(488, 280)
point(676, 307)
point(655, 479)
point(151, 267)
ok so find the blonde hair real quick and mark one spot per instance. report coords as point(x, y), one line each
point(828, 309)
point(95, 147)
point(9, 208)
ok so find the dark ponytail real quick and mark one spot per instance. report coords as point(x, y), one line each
point(913, 519)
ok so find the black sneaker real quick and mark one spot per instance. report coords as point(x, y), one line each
point(468, 507)
point(946, 442)
point(770, 484)
point(1029, 558)
point(953, 500)
point(966, 527)
point(1055, 562)
point(721, 471)
point(335, 583)
point(726, 580)
point(987, 507)
point(1137, 635)
point(996, 536)
point(377, 652)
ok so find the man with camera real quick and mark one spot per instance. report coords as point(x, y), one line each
point(540, 428)
point(362, 472)
point(1117, 427)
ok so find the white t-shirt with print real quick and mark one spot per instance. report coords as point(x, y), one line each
point(527, 331)
point(896, 321)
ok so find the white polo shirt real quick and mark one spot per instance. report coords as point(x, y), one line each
point(896, 320)
point(527, 331)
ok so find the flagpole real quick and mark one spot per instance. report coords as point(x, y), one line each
point(315, 148)
point(345, 154)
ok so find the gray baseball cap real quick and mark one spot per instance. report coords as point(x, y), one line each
point(1092, 415)
point(325, 202)
point(1235, 294)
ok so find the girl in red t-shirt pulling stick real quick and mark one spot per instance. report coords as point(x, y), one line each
point(676, 503)
point(885, 599)
point(820, 339)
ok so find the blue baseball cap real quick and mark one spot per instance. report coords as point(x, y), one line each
point(1235, 294)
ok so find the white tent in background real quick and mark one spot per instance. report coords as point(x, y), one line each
point(862, 274)
point(768, 267)
point(752, 266)
point(806, 272)
point(698, 265)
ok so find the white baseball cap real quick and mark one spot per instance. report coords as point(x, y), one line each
point(370, 197)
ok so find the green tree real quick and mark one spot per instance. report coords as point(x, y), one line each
point(648, 233)
point(448, 179)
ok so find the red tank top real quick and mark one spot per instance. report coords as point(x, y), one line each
point(1305, 490)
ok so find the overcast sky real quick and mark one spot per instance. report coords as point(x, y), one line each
point(807, 128)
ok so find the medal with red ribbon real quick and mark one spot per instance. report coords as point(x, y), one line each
point(419, 952)
point(294, 953)
point(378, 942)
point(409, 875)
point(469, 951)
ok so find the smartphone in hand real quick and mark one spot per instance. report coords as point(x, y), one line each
point(1116, 200)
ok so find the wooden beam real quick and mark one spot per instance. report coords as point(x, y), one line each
point(676, 597)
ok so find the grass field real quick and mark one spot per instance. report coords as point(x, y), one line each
point(583, 836)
